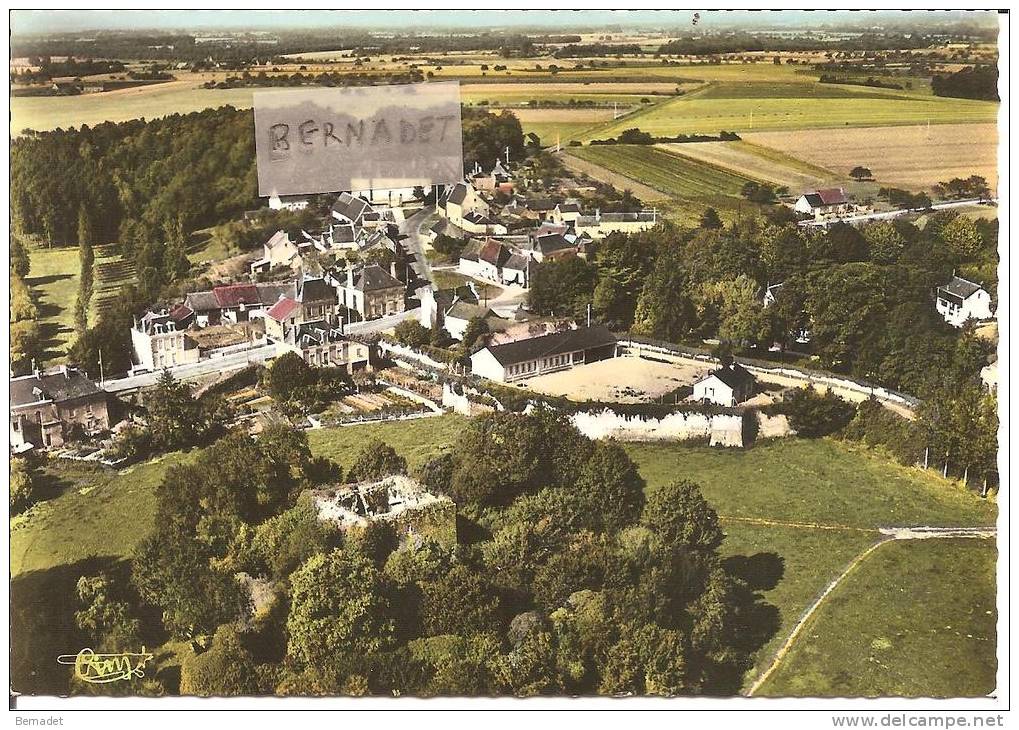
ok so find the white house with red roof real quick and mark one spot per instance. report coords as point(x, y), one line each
point(827, 203)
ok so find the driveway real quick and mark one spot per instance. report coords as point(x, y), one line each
point(414, 240)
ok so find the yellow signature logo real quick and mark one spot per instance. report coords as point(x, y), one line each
point(103, 668)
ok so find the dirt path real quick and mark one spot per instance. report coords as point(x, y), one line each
point(620, 182)
point(889, 534)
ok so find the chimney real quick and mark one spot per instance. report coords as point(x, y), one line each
point(392, 269)
point(350, 274)
point(597, 214)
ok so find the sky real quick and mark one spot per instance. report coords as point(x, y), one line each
point(56, 21)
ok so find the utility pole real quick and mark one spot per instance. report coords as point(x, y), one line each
point(588, 314)
point(507, 154)
point(102, 379)
point(557, 139)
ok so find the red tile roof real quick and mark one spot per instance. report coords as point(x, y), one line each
point(236, 294)
point(833, 196)
point(282, 309)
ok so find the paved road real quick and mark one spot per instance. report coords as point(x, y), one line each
point(414, 241)
point(887, 215)
point(210, 366)
point(383, 323)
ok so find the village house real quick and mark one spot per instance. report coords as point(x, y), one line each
point(235, 302)
point(498, 179)
point(350, 210)
point(158, 342)
point(321, 344)
point(567, 212)
point(459, 315)
point(315, 299)
point(370, 291)
point(47, 408)
point(961, 300)
point(398, 500)
point(435, 302)
point(729, 385)
point(284, 248)
point(288, 202)
point(601, 224)
point(821, 204)
point(494, 261)
point(461, 201)
point(533, 356)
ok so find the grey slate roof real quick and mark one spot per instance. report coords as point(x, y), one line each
point(316, 290)
point(349, 207)
point(373, 277)
point(57, 386)
point(734, 375)
point(458, 194)
point(962, 288)
point(555, 343)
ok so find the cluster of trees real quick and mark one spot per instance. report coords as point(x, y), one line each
point(26, 339)
point(22, 485)
point(637, 136)
point(973, 186)
point(69, 67)
point(864, 294)
point(869, 81)
point(262, 79)
point(904, 199)
point(974, 82)
point(299, 388)
point(955, 432)
point(564, 578)
point(486, 137)
point(175, 419)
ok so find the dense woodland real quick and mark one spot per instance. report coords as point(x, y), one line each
point(976, 82)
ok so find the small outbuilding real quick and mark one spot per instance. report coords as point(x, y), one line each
point(729, 385)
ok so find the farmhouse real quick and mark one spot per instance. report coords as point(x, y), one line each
point(158, 342)
point(398, 500)
point(824, 203)
point(48, 407)
point(729, 385)
point(526, 358)
point(960, 300)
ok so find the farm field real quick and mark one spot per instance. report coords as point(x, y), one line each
point(926, 604)
point(678, 177)
point(160, 100)
point(699, 113)
point(908, 156)
point(53, 281)
point(112, 273)
point(758, 162)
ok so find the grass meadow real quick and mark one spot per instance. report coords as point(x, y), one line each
point(915, 619)
point(53, 281)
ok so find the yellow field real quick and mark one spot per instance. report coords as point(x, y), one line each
point(909, 156)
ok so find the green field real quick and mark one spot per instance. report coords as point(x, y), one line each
point(817, 482)
point(679, 177)
point(914, 619)
point(53, 281)
point(701, 113)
